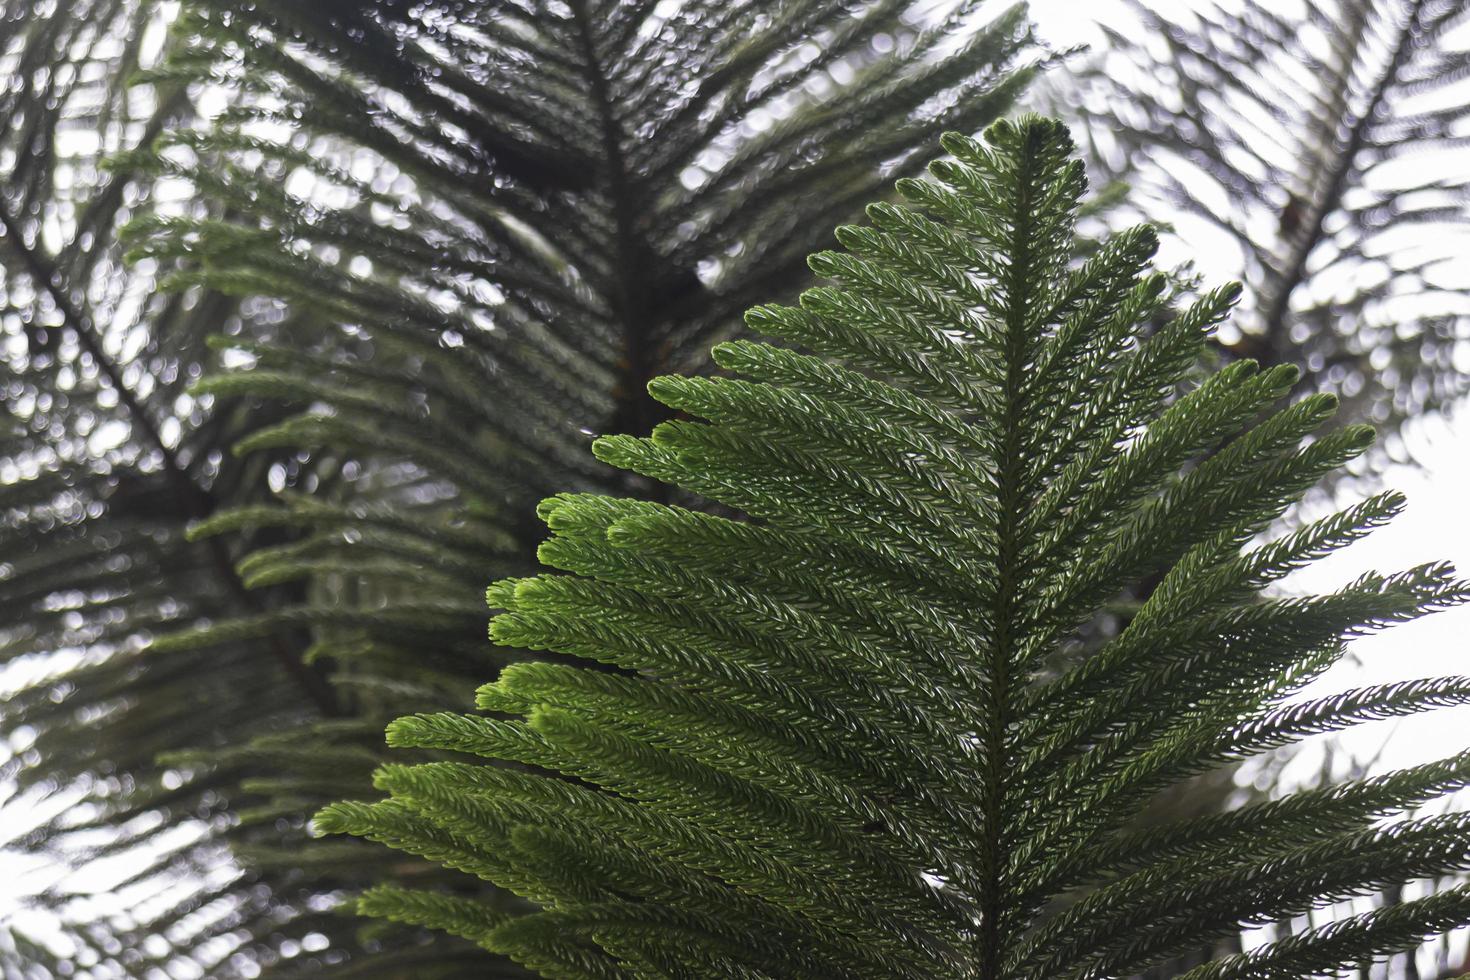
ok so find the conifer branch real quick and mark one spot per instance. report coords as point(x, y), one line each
point(1289, 127)
point(1303, 242)
point(637, 412)
point(847, 734)
point(192, 500)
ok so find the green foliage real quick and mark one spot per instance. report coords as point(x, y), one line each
point(1310, 149)
point(443, 241)
point(1316, 149)
point(104, 458)
point(848, 736)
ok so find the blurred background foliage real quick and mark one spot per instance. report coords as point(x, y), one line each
point(430, 249)
point(1316, 151)
point(390, 265)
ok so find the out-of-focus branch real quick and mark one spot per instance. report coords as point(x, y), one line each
point(193, 500)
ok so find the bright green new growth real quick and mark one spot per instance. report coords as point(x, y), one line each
point(850, 737)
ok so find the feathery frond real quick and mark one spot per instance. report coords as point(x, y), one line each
point(831, 739)
point(459, 237)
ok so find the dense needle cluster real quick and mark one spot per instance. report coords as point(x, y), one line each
point(849, 735)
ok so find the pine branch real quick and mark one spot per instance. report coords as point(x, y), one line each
point(636, 412)
point(828, 746)
point(1294, 150)
point(1344, 160)
point(429, 353)
point(192, 500)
